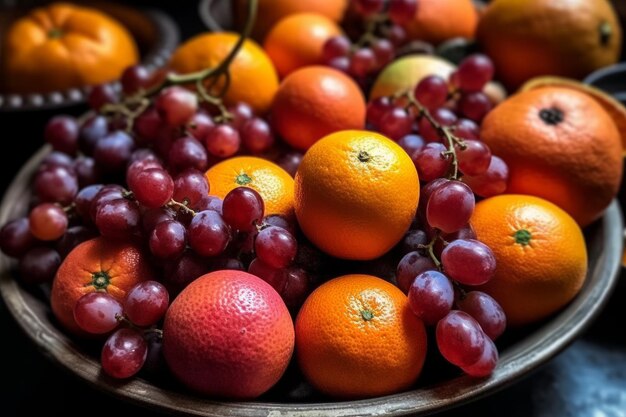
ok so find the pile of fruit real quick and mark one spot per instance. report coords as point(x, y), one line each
point(248, 206)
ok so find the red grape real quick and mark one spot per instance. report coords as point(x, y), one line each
point(276, 247)
point(176, 105)
point(97, 312)
point(241, 112)
point(118, 219)
point(474, 72)
point(134, 78)
point(273, 276)
point(208, 233)
point(100, 95)
point(468, 261)
point(368, 7)
point(242, 208)
point(168, 239)
point(487, 362)
point(362, 62)
point(450, 206)
point(56, 184)
point(475, 158)
point(153, 187)
point(199, 125)
point(376, 109)
point(432, 92)
point(146, 303)
point(73, 237)
point(190, 188)
point(187, 152)
point(402, 11)
point(83, 201)
point(395, 123)
point(62, 133)
point(47, 221)
point(411, 143)
point(124, 353)
point(113, 151)
point(431, 296)
point(16, 238)
point(256, 135)
point(335, 47)
point(460, 339)
point(384, 51)
point(431, 162)
point(491, 182)
point(475, 106)
point(410, 266)
point(222, 141)
point(485, 310)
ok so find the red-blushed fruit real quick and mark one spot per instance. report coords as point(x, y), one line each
point(228, 334)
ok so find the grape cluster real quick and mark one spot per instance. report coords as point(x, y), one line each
point(442, 259)
point(379, 43)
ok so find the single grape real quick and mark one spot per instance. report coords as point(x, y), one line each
point(199, 125)
point(214, 203)
point(222, 141)
point(136, 167)
point(341, 63)
point(376, 109)
point(153, 187)
point(124, 353)
point(466, 129)
point(146, 303)
point(39, 265)
point(242, 112)
point(428, 131)
point(491, 182)
point(208, 233)
point(91, 131)
point(384, 51)
point(47, 221)
point(487, 362)
point(485, 310)
point(181, 272)
point(100, 95)
point(402, 12)
point(410, 266)
point(411, 143)
point(118, 219)
point(152, 217)
point(444, 116)
point(396, 34)
point(168, 239)
point(56, 159)
point(83, 201)
point(113, 151)
point(362, 62)
point(104, 195)
point(256, 135)
point(62, 133)
point(465, 232)
point(474, 72)
point(297, 287)
point(335, 47)
point(430, 161)
point(280, 221)
point(290, 162)
point(468, 261)
point(190, 187)
point(273, 276)
point(414, 240)
point(475, 158)
point(56, 184)
point(176, 105)
point(450, 206)
point(460, 339)
point(395, 123)
point(144, 155)
point(475, 106)
point(431, 296)
point(97, 312)
point(87, 172)
point(368, 7)
point(147, 126)
point(275, 246)
point(187, 152)
point(134, 78)
point(431, 92)
point(243, 209)
point(73, 237)
point(16, 238)
point(427, 191)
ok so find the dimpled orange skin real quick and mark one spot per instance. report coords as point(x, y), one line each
point(253, 78)
point(124, 263)
point(537, 272)
point(356, 193)
point(297, 41)
point(575, 163)
point(315, 101)
point(63, 46)
point(228, 334)
point(346, 353)
point(273, 183)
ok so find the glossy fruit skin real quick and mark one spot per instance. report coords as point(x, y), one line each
point(436, 21)
point(238, 358)
point(573, 160)
point(540, 254)
point(315, 101)
point(345, 352)
point(274, 184)
point(356, 193)
point(45, 50)
point(253, 76)
point(297, 41)
point(97, 264)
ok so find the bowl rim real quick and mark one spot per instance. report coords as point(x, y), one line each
point(517, 361)
point(157, 56)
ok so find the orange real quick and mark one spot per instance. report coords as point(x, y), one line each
point(357, 337)
point(63, 46)
point(269, 12)
point(228, 334)
point(540, 255)
point(561, 145)
point(253, 76)
point(315, 101)
point(614, 108)
point(356, 193)
point(439, 20)
point(297, 41)
point(96, 265)
point(527, 38)
point(272, 182)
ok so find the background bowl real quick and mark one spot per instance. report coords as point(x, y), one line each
point(154, 32)
point(439, 388)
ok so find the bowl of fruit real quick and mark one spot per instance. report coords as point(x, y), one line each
point(249, 232)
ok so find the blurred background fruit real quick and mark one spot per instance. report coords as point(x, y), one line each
point(253, 76)
point(543, 37)
point(436, 21)
point(540, 254)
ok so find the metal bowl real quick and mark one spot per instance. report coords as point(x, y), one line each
point(522, 350)
point(155, 33)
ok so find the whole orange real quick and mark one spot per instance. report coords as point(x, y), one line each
point(63, 46)
point(253, 77)
point(357, 337)
point(527, 38)
point(269, 12)
point(436, 21)
point(228, 334)
point(540, 254)
point(356, 193)
point(315, 101)
point(96, 265)
point(559, 144)
point(297, 41)
point(272, 182)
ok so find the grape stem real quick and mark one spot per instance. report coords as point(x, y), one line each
point(180, 206)
point(430, 249)
point(368, 37)
point(444, 131)
point(121, 318)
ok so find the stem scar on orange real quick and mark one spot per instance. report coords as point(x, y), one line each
point(96, 265)
point(357, 337)
point(540, 253)
point(356, 194)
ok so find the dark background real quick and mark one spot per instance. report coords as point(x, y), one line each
point(587, 379)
